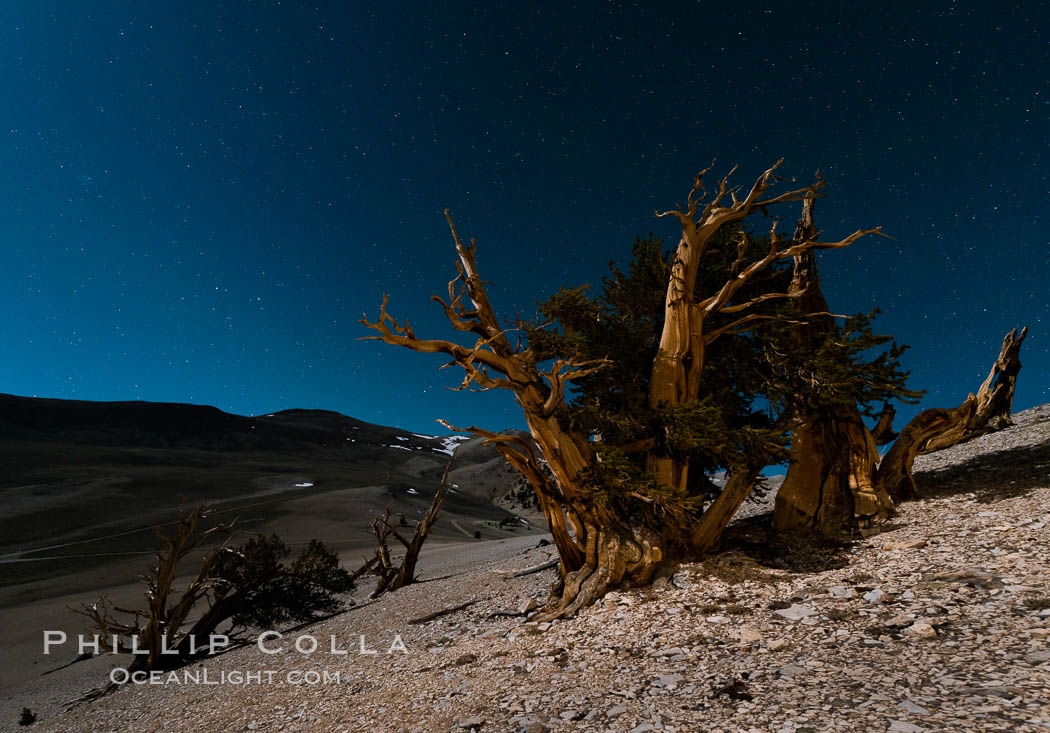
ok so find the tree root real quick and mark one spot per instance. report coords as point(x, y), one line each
point(612, 560)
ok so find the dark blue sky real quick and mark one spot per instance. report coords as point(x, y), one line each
point(198, 200)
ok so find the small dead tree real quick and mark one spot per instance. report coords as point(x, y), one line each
point(161, 624)
point(381, 566)
point(391, 577)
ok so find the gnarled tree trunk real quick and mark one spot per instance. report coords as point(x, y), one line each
point(829, 486)
point(606, 539)
point(995, 398)
point(930, 430)
point(615, 554)
point(894, 474)
point(715, 518)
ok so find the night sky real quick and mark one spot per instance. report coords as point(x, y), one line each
point(198, 201)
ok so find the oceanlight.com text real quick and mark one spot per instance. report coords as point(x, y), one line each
point(203, 676)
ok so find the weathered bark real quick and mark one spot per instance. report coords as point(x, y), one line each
point(631, 547)
point(615, 555)
point(519, 453)
point(716, 517)
point(883, 433)
point(829, 486)
point(930, 430)
point(602, 542)
point(679, 361)
point(995, 398)
point(894, 475)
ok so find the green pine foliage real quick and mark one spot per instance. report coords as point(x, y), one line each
point(752, 382)
point(271, 590)
point(849, 365)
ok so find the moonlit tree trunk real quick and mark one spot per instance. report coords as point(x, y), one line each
point(607, 539)
point(830, 483)
point(994, 398)
point(930, 430)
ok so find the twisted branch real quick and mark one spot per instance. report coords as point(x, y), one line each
point(519, 452)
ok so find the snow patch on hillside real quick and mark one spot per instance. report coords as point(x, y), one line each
point(449, 444)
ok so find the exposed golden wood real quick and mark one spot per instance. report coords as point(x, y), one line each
point(602, 547)
point(935, 429)
point(995, 398)
point(830, 483)
point(677, 368)
point(716, 517)
point(894, 475)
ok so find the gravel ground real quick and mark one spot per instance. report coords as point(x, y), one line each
point(938, 622)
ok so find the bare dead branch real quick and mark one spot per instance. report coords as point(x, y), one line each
point(755, 301)
point(738, 326)
point(718, 301)
point(883, 433)
point(475, 289)
point(563, 372)
point(519, 453)
point(391, 332)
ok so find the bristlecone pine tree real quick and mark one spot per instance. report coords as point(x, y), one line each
point(835, 481)
point(686, 365)
point(249, 585)
point(823, 384)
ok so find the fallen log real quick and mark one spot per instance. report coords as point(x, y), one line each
point(936, 429)
point(444, 612)
point(536, 568)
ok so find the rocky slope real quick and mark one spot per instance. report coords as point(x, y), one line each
point(938, 622)
point(82, 484)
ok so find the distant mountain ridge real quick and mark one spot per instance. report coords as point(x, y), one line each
point(479, 470)
point(171, 425)
point(74, 470)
